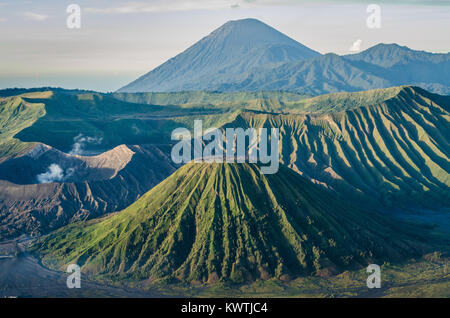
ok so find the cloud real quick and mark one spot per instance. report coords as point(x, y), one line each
point(356, 47)
point(189, 5)
point(35, 16)
point(397, 2)
point(80, 143)
point(166, 6)
point(3, 20)
point(54, 173)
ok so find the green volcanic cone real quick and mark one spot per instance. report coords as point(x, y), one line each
point(229, 222)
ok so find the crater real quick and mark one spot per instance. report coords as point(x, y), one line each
point(44, 164)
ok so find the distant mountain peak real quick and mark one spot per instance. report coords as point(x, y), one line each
point(389, 45)
point(245, 21)
point(249, 32)
point(387, 55)
point(226, 53)
point(250, 55)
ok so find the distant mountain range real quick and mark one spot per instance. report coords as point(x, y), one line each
point(249, 55)
point(223, 57)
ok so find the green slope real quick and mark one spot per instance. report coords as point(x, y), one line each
point(387, 145)
point(228, 222)
point(60, 115)
point(265, 100)
point(337, 102)
point(395, 151)
point(16, 114)
point(115, 121)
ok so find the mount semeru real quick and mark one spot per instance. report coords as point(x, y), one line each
point(222, 57)
point(248, 55)
point(228, 222)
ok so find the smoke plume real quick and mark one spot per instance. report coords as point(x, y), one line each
point(80, 142)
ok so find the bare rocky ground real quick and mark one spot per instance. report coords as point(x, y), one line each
point(92, 186)
point(22, 275)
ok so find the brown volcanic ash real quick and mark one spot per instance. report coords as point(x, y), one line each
point(93, 186)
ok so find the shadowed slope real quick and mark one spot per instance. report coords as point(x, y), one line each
point(25, 169)
point(394, 151)
point(210, 222)
point(17, 114)
point(98, 185)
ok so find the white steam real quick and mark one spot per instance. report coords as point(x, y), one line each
point(80, 142)
point(356, 47)
point(54, 173)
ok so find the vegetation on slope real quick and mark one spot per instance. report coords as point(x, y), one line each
point(113, 121)
point(337, 102)
point(426, 277)
point(395, 152)
point(228, 222)
point(16, 114)
point(389, 145)
point(264, 100)
point(116, 119)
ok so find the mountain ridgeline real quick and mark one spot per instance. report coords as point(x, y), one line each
point(390, 146)
point(88, 187)
point(249, 55)
point(386, 146)
point(221, 56)
point(229, 222)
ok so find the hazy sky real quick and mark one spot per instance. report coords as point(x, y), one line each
point(121, 40)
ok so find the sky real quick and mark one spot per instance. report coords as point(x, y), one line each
point(119, 41)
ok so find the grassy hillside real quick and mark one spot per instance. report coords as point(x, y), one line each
point(16, 114)
point(228, 222)
point(58, 116)
point(388, 145)
point(427, 277)
point(113, 121)
point(396, 151)
point(337, 102)
point(238, 100)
